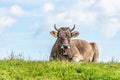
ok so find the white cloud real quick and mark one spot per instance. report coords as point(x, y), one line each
point(78, 13)
point(92, 2)
point(111, 28)
point(6, 16)
point(3, 11)
point(110, 7)
point(17, 10)
point(72, 17)
point(48, 7)
point(14, 10)
point(84, 17)
point(24, 2)
point(5, 22)
point(57, 18)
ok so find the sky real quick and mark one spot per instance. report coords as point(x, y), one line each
point(25, 26)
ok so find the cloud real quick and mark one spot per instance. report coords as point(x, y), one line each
point(6, 21)
point(14, 10)
point(3, 11)
point(24, 2)
point(110, 7)
point(6, 16)
point(111, 28)
point(78, 13)
point(58, 18)
point(48, 7)
point(81, 18)
point(17, 10)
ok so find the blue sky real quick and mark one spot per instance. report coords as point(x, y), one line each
point(25, 25)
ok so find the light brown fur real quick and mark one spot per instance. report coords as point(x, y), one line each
point(80, 50)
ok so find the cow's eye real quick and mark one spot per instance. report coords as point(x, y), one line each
point(69, 36)
point(58, 36)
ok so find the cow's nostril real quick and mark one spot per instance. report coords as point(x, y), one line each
point(65, 46)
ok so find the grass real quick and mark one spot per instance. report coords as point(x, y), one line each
point(17, 69)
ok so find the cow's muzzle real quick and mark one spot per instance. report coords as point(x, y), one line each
point(64, 53)
point(65, 46)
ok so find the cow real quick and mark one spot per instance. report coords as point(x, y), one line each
point(68, 49)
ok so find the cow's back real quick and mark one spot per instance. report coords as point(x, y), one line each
point(85, 49)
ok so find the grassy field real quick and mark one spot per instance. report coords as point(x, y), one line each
point(43, 70)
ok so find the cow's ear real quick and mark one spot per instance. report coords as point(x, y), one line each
point(54, 34)
point(75, 34)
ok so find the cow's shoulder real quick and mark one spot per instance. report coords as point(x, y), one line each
point(82, 44)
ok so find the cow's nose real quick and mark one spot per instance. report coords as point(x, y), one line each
point(65, 46)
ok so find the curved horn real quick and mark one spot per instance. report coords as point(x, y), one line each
point(55, 27)
point(73, 28)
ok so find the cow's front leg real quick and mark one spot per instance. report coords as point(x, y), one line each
point(77, 58)
point(53, 56)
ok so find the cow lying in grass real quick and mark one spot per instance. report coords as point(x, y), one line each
point(69, 49)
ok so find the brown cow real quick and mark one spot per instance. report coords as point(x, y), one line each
point(69, 49)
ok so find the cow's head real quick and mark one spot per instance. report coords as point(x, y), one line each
point(64, 35)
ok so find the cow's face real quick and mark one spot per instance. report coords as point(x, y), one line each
point(64, 35)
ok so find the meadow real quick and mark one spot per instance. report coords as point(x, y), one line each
point(18, 69)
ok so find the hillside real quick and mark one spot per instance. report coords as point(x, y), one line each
point(43, 70)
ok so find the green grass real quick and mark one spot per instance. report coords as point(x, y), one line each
point(43, 70)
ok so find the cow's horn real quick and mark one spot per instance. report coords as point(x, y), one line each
point(73, 28)
point(55, 27)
